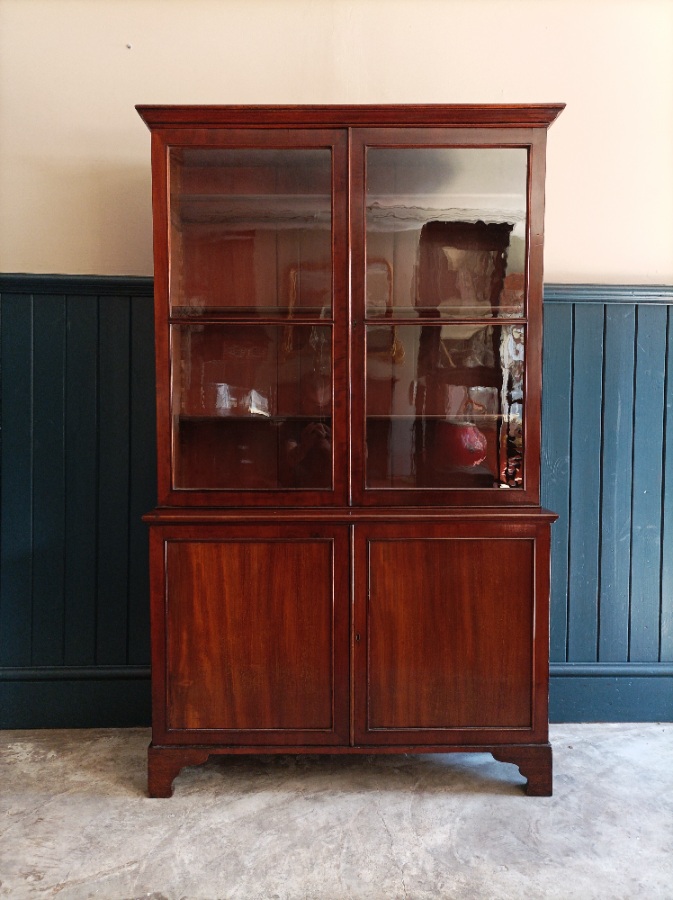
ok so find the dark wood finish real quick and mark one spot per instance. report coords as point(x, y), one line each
point(241, 653)
point(452, 620)
point(534, 763)
point(493, 115)
point(223, 674)
point(290, 612)
point(349, 515)
point(444, 649)
point(165, 763)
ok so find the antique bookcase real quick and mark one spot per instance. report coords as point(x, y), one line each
point(349, 553)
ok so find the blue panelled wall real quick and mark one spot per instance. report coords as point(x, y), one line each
point(607, 469)
point(78, 471)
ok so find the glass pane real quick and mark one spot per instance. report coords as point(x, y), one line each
point(251, 232)
point(444, 406)
point(450, 226)
point(252, 406)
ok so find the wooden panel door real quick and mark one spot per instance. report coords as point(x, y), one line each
point(256, 636)
point(448, 642)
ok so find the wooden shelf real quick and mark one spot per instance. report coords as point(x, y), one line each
point(278, 419)
point(437, 315)
point(488, 419)
point(250, 210)
point(274, 315)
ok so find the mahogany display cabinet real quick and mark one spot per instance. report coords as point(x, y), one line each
point(349, 553)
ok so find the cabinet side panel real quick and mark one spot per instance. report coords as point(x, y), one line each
point(450, 633)
point(248, 647)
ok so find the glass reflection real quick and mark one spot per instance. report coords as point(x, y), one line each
point(252, 406)
point(451, 226)
point(444, 406)
point(250, 232)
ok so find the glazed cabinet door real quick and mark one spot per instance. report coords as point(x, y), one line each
point(251, 642)
point(447, 291)
point(451, 634)
point(251, 300)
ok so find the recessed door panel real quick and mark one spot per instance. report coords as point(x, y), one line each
point(254, 642)
point(449, 635)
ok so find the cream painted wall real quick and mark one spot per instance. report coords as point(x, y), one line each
point(74, 156)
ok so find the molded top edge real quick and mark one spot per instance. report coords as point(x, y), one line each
point(464, 115)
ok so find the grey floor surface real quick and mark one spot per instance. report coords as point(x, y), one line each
point(75, 823)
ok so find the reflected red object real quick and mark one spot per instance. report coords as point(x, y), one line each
point(459, 445)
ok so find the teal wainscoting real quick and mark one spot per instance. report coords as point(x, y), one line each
point(78, 472)
point(607, 470)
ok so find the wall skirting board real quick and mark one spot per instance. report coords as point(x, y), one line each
point(78, 471)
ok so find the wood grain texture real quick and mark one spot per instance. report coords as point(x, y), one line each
point(450, 633)
point(247, 647)
point(461, 642)
point(250, 634)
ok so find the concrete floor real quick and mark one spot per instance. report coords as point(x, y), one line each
point(75, 823)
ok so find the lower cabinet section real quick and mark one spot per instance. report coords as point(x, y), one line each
point(356, 637)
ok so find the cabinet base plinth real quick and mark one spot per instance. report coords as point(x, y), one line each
point(534, 761)
point(164, 764)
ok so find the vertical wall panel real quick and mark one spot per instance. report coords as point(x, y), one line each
point(16, 522)
point(666, 628)
point(556, 414)
point(646, 512)
point(48, 480)
point(113, 480)
point(81, 479)
point(585, 448)
point(78, 471)
point(142, 487)
point(615, 534)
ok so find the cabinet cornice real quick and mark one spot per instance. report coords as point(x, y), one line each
point(458, 115)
